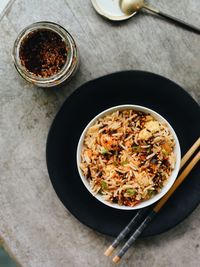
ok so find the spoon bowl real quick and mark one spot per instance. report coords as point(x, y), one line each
point(131, 6)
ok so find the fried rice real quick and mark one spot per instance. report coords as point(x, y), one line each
point(127, 157)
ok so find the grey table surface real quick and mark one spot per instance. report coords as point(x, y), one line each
point(34, 225)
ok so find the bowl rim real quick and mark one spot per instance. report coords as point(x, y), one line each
point(171, 179)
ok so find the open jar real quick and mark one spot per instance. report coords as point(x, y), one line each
point(45, 54)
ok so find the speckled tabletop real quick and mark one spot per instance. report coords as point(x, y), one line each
point(34, 225)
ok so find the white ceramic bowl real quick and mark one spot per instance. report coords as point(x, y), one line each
point(172, 178)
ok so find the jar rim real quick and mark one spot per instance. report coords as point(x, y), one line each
point(66, 37)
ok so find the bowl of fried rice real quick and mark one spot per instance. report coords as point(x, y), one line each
point(128, 157)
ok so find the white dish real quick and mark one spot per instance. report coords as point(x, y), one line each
point(110, 9)
point(171, 179)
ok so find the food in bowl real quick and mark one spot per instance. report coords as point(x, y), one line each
point(127, 156)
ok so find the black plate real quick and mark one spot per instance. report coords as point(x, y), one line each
point(129, 87)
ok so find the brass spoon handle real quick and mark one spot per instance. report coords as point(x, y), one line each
point(176, 20)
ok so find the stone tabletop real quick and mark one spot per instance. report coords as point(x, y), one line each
point(34, 226)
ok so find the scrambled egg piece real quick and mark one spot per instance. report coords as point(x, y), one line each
point(150, 128)
point(109, 170)
point(93, 129)
point(144, 134)
point(142, 179)
point(149, 118)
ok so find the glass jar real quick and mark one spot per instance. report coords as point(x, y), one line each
point(69, 66)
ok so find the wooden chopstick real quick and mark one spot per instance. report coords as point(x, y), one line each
point(157, 208)
point(140, 213)
point(178, 182)
point(190, 152)
point(124, 232)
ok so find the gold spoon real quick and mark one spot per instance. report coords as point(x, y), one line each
point(131, 6)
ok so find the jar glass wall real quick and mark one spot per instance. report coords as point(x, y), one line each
point(71, 60)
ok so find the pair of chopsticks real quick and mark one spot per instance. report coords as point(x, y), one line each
point(155, 209)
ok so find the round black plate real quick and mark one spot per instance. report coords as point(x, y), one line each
point(129, 87)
